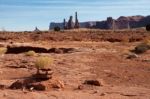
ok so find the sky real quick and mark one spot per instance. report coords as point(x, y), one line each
point(24, 15)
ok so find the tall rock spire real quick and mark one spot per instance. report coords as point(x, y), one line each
point(76, 21)
point(65, 24)
point(70, 23)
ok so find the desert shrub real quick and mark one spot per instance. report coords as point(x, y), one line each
point(30, 53)
point(148, 27)
point(143, 47)
point(57, 28)
point(3, 50)
point(43, 62)
point(147, 41)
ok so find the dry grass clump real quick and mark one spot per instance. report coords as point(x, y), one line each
point(3, 50)
point(143, 47)
point(30, 53)
point(43, 62)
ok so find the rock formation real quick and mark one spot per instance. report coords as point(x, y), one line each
point(36, 29)
point(65, 24)
point(70, 23)
point(120, 23)
point(76, 21)
point(109, 22)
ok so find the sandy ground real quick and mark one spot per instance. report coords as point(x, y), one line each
point(121, 78)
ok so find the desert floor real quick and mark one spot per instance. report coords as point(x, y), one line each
point(120, 78)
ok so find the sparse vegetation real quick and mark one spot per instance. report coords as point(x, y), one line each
point(3, 50)
point(143, 47)
point(43, 62)
point(148, 27)
point(30, 53)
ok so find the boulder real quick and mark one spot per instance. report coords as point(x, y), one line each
point(42, 77)
point(19, 84)
point(32, 84)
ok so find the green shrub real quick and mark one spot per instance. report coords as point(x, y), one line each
point(30, 53)
point(3, 50)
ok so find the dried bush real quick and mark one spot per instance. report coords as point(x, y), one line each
point(143, 47)
point(30, 53)
point(43, 62)
point(3, 50)
point(148, 27)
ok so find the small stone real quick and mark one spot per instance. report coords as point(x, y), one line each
point(102, 94)
point(131, 56)
point(37, 86)
point(95, 92)
point(2, 86)
point(5, 94)
point(31, 89)
point(93, 82)
point(58, 84)
point(80, 87)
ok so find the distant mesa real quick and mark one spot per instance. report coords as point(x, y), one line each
point(121, 23)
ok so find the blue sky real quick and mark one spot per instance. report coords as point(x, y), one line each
point(20, 15)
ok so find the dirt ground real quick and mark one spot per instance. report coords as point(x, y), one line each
point(105, 61)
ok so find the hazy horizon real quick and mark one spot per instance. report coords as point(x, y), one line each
point(22, 15)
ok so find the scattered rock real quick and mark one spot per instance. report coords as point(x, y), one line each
point(2, 86)
point(57, 84)
point(32, 84)
point(5, 94)
point(146, 60)
point(131, 56)
point(42, 77)
point(95, 92)
point(128, 95)
point(141, 48)
point(20, 84)
point(102, 94)
point(93, 82)
point(61, 50)
point(80, 87)
point(17, 66)
point(37, 86)
point(16, 49)
point(45, 74)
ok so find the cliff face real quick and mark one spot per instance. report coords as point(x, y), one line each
point(53, 25)
point(124, 22)
point(120, 23)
